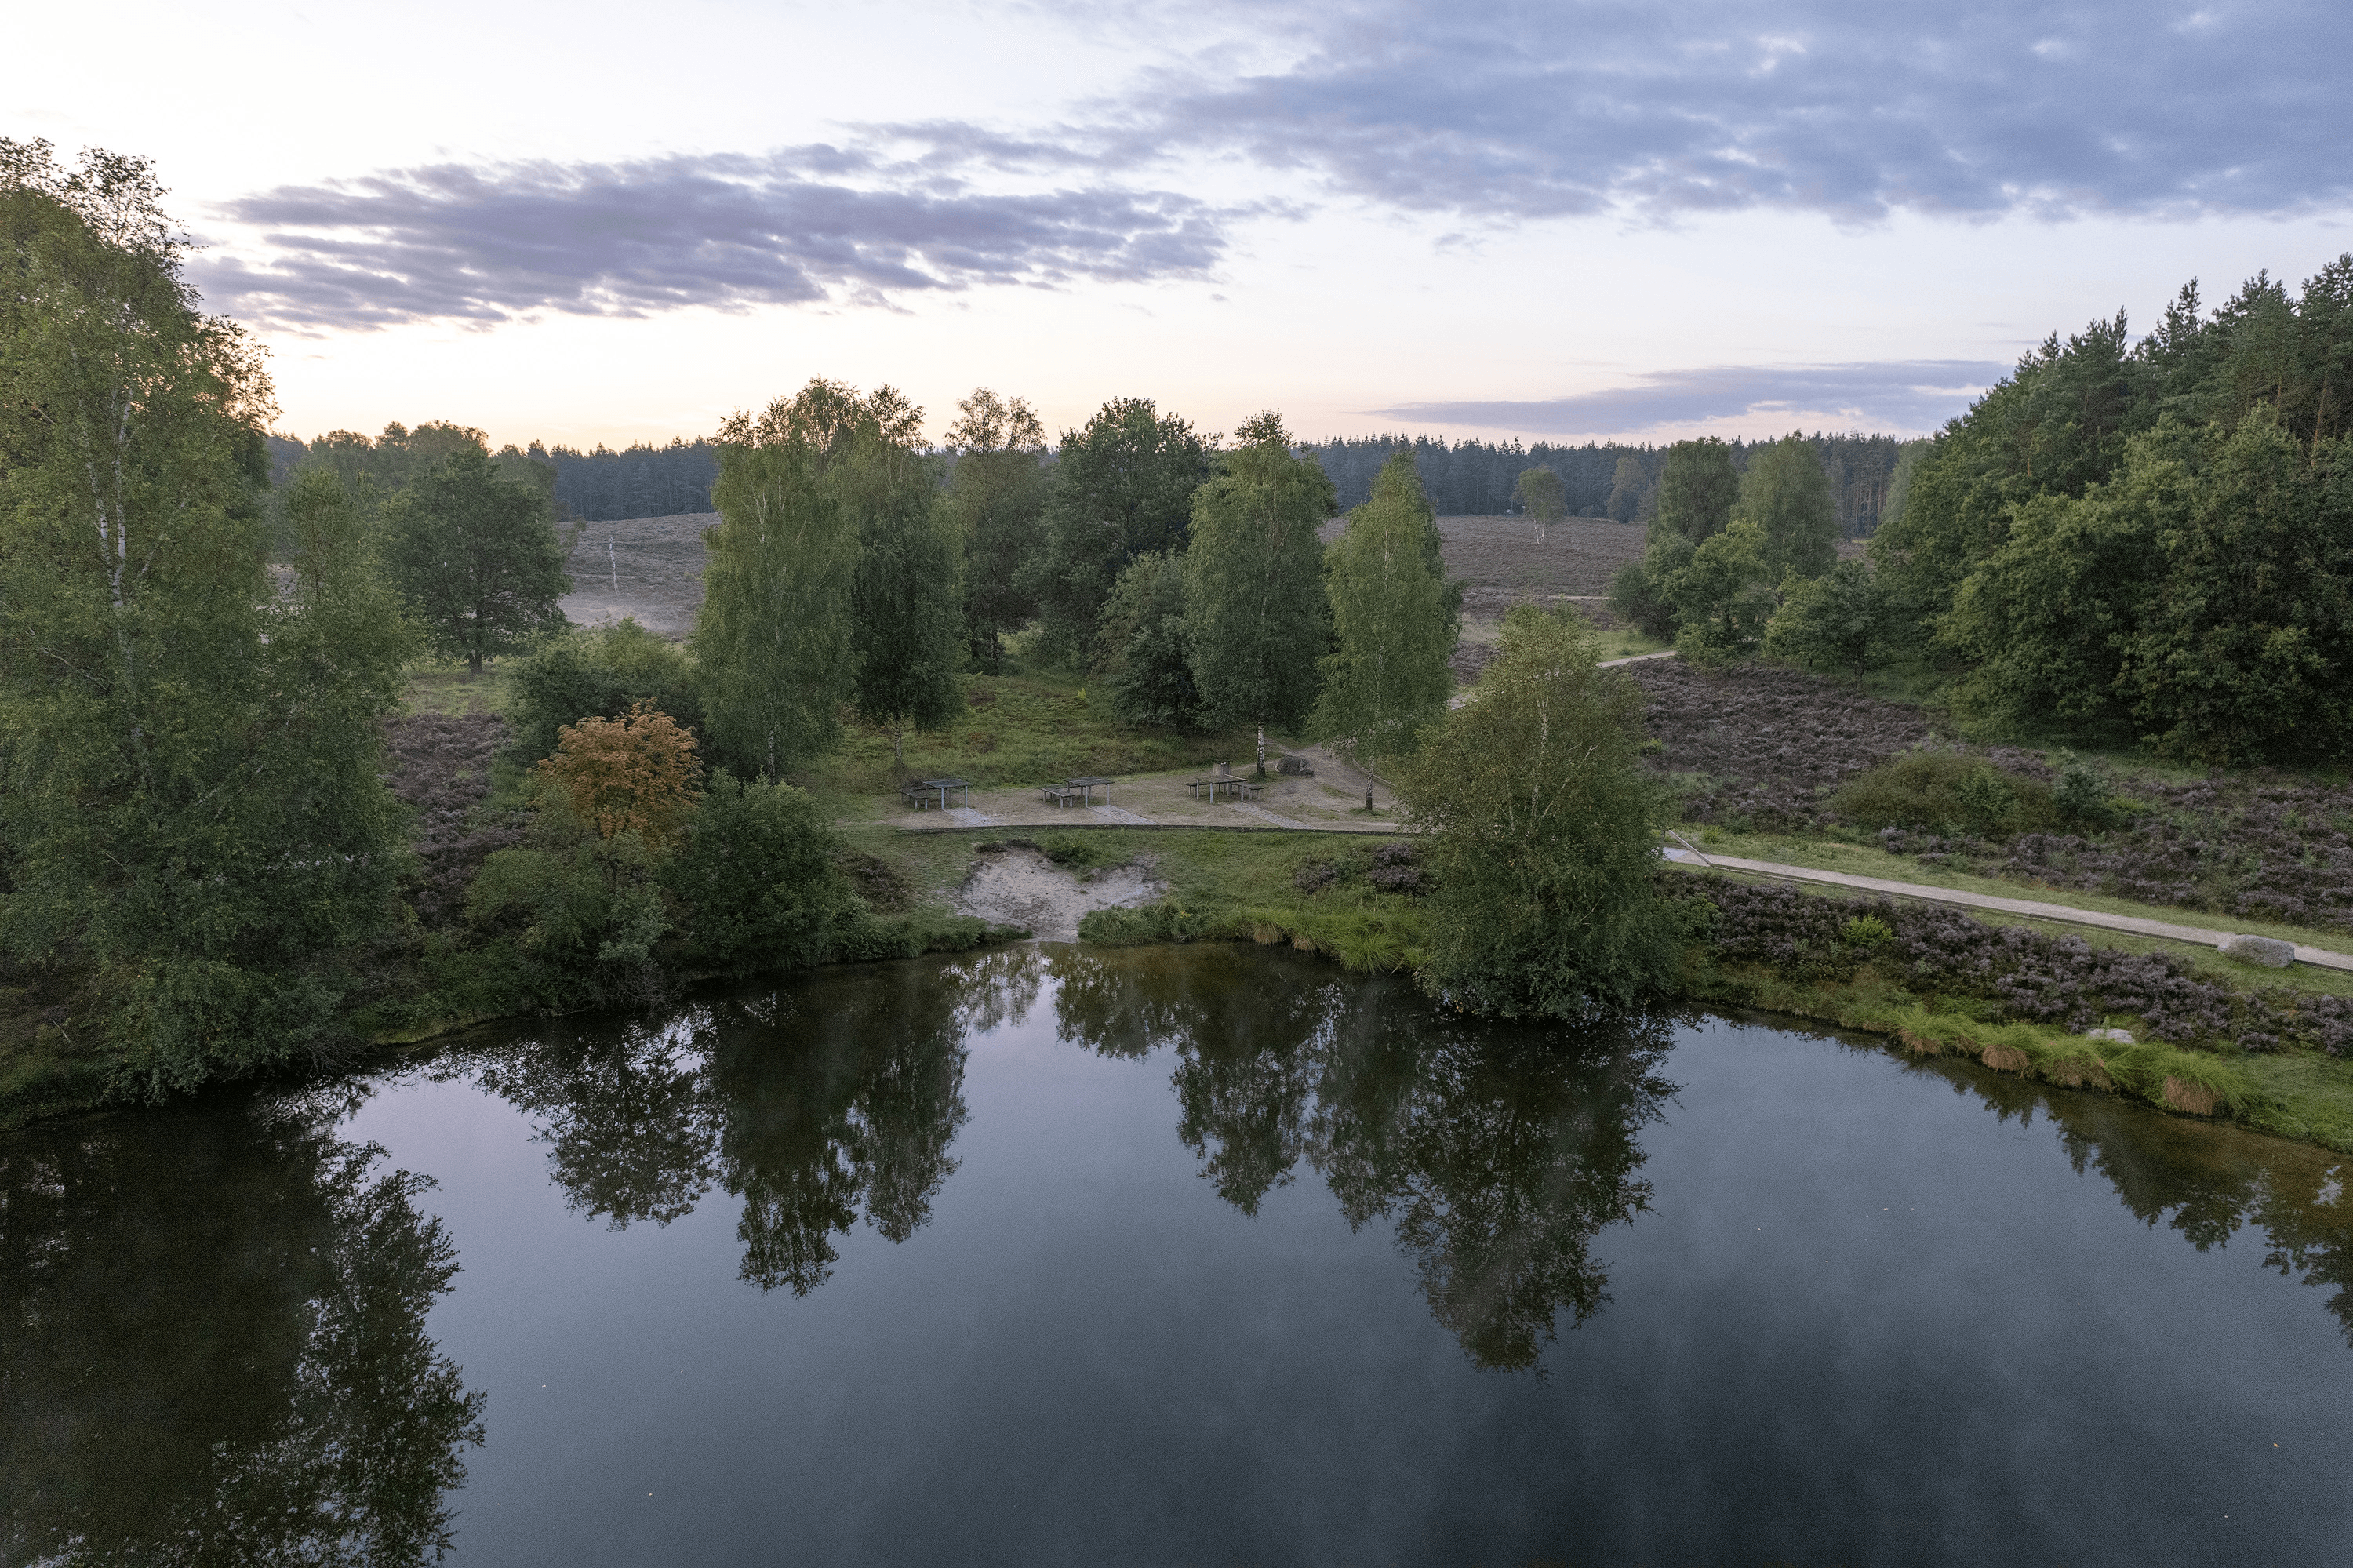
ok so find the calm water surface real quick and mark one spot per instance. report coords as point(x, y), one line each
point(1198, 1255)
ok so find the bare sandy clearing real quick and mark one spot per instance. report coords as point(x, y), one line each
point(1017, 886)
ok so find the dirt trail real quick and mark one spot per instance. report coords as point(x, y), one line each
point(1022, 887)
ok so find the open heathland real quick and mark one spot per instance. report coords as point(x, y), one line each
point(647, 569)
point(1762, 745)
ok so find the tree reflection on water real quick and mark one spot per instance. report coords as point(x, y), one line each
point(1498, 1152)
point(213, 1347)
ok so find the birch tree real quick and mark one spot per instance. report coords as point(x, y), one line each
point(1397, 621)
point(773, 636)
point(1543, 835)
point(1253, 577)
point(191, 814)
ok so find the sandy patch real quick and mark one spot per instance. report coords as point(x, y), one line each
point(1022, 887)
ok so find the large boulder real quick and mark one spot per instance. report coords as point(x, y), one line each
point(2268, 951)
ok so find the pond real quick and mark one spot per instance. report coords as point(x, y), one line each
point(1185, 1256)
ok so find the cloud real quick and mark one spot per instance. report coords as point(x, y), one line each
point(1904, 395)
point(1477, 116)
point(473, 243)
point(1520, 110)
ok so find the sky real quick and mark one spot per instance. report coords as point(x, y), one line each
point(1538, 222)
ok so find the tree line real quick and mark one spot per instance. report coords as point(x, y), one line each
point(2149, 542)
point(1608, 479)
point(1466, 478)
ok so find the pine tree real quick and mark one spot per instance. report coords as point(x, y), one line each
point(1255, 598)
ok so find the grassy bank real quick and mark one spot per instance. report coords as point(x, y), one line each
point(2302, 1095)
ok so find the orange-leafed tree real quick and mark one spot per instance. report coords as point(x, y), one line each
point(634, 774)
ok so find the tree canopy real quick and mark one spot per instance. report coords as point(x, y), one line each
point(1254, 581)
point(1787, 495)
point(2148, 539)
point(1544, 834)
point(773, 635)
point(477, 557)
point(1396, 619)
point(193, 812)
point(997, 503)
point(1122, 485)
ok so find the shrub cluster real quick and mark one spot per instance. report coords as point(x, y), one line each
point(2026, 975)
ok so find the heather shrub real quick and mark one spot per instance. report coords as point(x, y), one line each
point(2025, 975)
point(1945, 791)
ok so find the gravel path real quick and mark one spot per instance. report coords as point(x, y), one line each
point(2133, 923)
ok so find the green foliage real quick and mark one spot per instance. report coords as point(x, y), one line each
point(596, 673)
point(2149, 538)
point(1698, 486)
point(2081, 795)
point(1840, 621)
point(997, 504)
point(1945, 791)
point(1544, 832)
point(2204, 594)
point(191, 819)
point(1540, 496)
point(1122, 487)
point(1395, 618)
point(772, 637)
point(1899, 483)
point(582, 914)
point(1147, 645)
point(477, 558)
point(1721, 596)
point(1634, 599)
point(1255, 582)
point(1866, 933)
point(906, 607)
point(757, 876)
point(1787, 492)
point(1630, 483)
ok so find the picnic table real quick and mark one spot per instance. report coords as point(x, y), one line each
point(919, 792)
point(1218, 784)
point(1087, 788)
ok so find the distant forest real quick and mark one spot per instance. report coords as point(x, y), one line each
point(1464, 479)
point(1476, 478)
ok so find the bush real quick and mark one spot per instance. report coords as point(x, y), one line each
point(597, 673)
point(1946, 791)
point(583, 914)
point(757, 873)
point(1634, 598)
